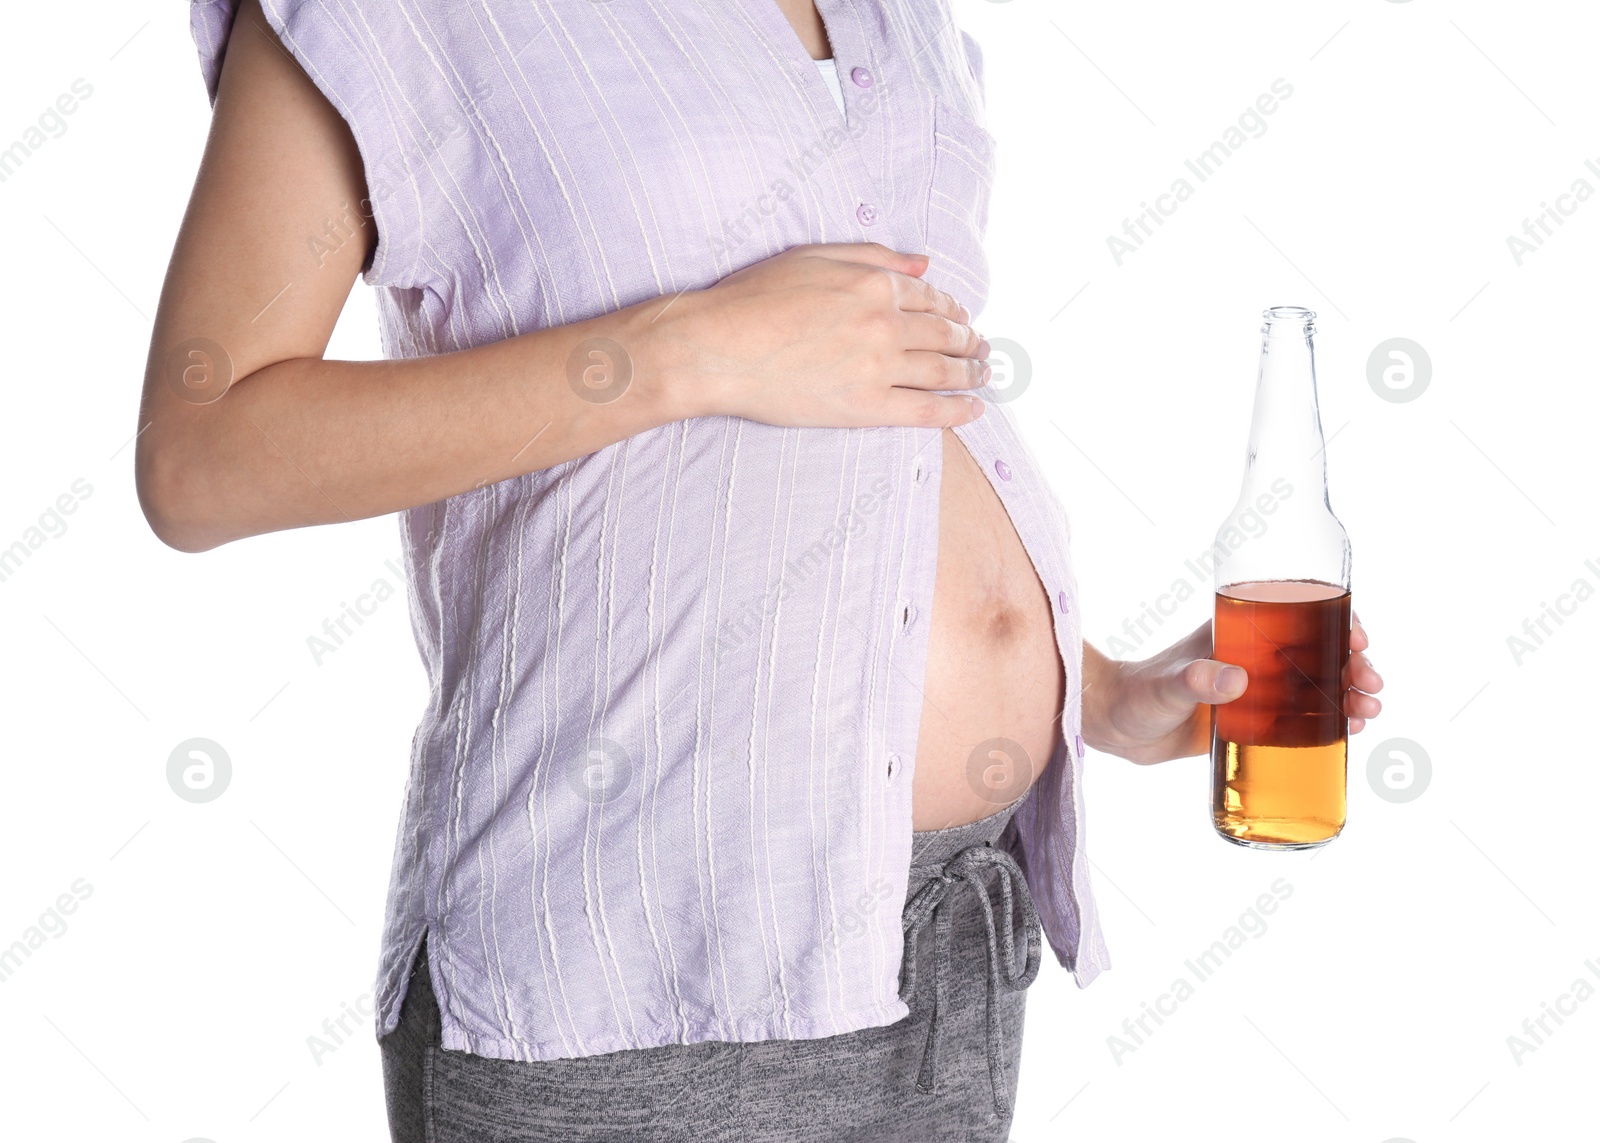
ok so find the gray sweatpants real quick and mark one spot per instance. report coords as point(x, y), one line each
point(888, 1083)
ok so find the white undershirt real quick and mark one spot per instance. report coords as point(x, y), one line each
point(830, 73)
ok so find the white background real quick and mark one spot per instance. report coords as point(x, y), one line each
point(217, 938)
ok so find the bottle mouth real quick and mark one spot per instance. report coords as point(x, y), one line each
point(1287, 320)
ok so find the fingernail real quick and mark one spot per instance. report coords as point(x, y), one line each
point(977, 407)
point(985, 373)
point(1230, 680)
point(983, 347)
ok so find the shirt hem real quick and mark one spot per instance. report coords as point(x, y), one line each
point(753, 1031)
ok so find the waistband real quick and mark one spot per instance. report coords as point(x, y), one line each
point(935, 846)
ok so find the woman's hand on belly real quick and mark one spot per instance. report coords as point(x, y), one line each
point(822, 336)
point(1159, 708)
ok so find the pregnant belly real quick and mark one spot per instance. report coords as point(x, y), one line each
point(995, 684)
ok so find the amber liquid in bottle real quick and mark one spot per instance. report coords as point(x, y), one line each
point(1278, 752)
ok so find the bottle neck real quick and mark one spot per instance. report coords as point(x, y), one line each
point(1283, 527)
point(1286, 430)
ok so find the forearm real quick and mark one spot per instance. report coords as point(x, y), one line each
point(307, 441)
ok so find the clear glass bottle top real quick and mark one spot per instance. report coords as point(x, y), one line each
point(1282, 526)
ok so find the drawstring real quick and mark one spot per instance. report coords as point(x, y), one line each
point(968, 866)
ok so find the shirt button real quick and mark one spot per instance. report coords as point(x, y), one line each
point(1003, 469)
point(908, 613)
point(894, 765)
point(918, 471)
point(866, 214)
point(1061, 599)
point(861, 77)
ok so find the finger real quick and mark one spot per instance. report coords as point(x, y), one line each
point(1362, 706)
point(1359, 673)
point(870, 254)
point(932, 371)
point(918, 409)
point(1358, 634)
point(1356, 725)
point(916, 296)
point(1201, 681)
point(925, 330)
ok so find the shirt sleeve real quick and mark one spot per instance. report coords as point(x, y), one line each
point(349, 64)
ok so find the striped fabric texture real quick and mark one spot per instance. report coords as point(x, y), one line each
point(662, 789)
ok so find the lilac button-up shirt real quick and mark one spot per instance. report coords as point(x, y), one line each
point(662, 789)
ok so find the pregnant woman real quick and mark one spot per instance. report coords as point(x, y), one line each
point(752, 764)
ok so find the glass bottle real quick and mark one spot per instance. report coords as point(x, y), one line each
point(1278, 752)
